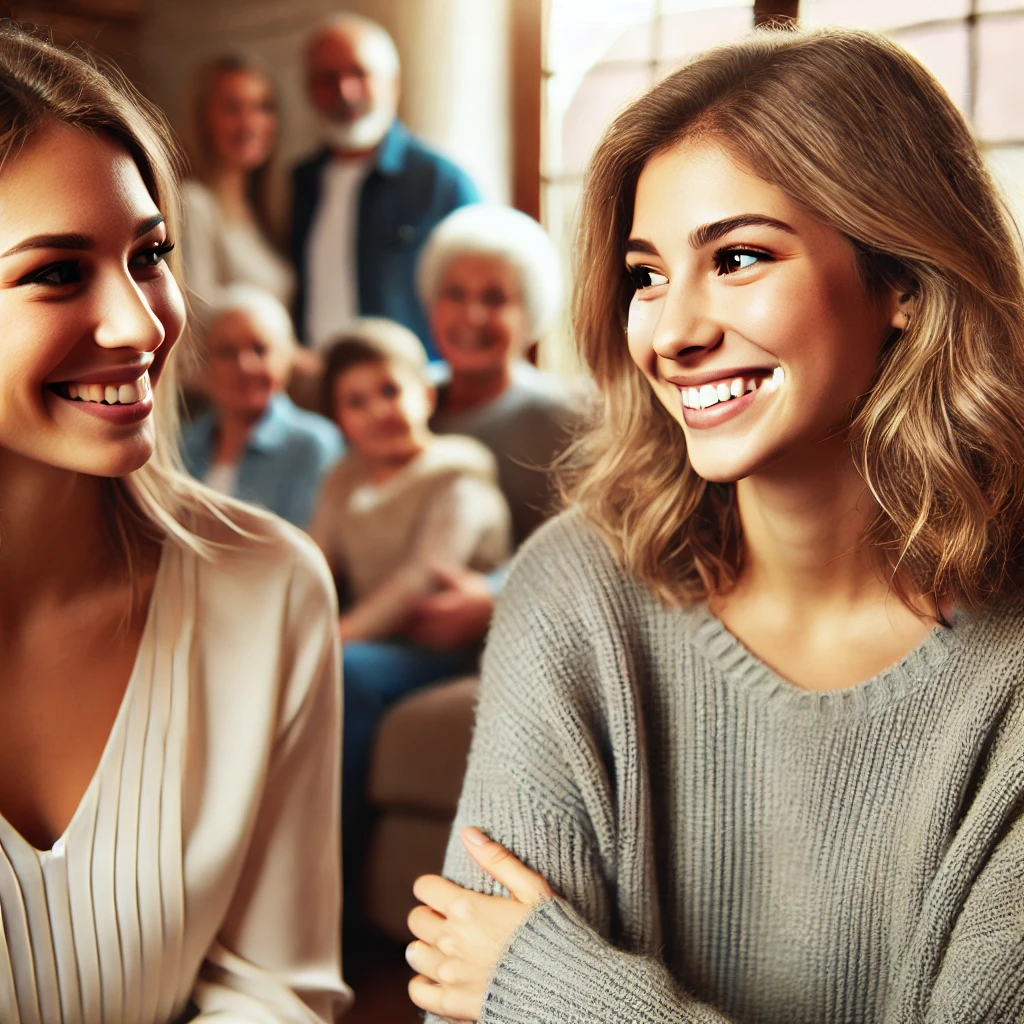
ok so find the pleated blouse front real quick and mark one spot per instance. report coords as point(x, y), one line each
point(103, 927)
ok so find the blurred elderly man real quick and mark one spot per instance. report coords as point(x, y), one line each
point(364, 205)
point(255, 444)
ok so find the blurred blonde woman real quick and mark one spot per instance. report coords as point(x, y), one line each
point(227, 218)
point(169, 709)
point(752, 714)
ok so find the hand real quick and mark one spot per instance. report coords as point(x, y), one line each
point(456, 616)
point(462, 934)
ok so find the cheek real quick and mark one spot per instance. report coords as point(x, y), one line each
point(640, 327)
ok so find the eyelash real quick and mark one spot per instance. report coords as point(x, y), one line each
point(160, 252)
point(639, 273)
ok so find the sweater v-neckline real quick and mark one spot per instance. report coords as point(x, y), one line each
point(8, 832)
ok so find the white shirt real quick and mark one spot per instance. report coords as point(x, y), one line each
point(203, 860)
point(332, 295)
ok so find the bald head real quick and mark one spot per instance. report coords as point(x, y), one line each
point(353, 73)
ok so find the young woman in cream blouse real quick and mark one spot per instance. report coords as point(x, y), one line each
point(169, 701)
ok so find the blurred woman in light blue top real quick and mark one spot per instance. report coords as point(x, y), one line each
point(255, 443)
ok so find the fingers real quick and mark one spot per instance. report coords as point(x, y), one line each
point(443, 1001)
point(425, 924)
point(525, 885)
point(438, 893)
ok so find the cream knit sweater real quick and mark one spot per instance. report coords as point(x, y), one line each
point(727, 847)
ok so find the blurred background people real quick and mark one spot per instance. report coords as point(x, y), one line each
point(491, 282)
point(364, 204)
point(402, 504)
point(226, 203)
point(254, 443)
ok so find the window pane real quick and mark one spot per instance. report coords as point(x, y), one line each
point(560, 215)
point(582, 32)
point(985, 6)
point(1007, 166)
point(685, 33)
point(999, 102)
point(604, 91)
point(945, 51)
point(880, 14)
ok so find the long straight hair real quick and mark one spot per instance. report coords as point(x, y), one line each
point(855, 130)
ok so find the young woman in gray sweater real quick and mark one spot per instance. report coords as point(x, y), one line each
point(751, 727)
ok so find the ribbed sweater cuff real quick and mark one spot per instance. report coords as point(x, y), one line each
point(557, 968)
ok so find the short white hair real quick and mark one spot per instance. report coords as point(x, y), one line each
point(483, 229)
point(266, 312)
point(386, 60)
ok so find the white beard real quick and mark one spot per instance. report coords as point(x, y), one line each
point(363, 133)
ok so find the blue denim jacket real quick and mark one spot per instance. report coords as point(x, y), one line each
point(288, 453)
point(409, 190)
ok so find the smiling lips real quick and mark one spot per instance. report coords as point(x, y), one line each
point(725, 390)
point(121, 393)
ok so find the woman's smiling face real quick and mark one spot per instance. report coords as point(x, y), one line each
point(751, 319)
point(88, 306)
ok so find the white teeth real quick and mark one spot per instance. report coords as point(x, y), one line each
point(723, 392)
point(112, 394)
point(736, 387)
point(751, 385)
point(776, 380)
point(708, 396)
point(694, 398)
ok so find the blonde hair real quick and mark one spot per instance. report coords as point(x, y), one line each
point(855, 130)
point(263, 310)
point(40, 85)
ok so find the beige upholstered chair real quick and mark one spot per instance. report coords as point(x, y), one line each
point(415, 777)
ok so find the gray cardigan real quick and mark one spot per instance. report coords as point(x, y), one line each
point(728, 847)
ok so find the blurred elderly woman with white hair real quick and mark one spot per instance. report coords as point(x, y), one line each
point(255, 443)
point(491, 282)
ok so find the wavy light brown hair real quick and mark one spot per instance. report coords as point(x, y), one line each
point(41, 85)
point(856, 131)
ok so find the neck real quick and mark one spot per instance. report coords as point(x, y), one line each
point(381, 470)
point(354, 154)
point(54, 543)
point(230, 184)
point(468, 391)
point(802, 526)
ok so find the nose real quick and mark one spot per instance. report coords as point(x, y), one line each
point(686, 322)
point(250, 362)
point(124, 318)
point(350, 88)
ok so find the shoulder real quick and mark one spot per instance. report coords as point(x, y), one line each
point(455, 453)
point(260, 561)
point(315, 432)
point(421, 157)
point(542, 393)
point(197, 198)
point(311, 166)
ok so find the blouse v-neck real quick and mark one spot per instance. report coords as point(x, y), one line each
point(87, 924)
point(9, 834)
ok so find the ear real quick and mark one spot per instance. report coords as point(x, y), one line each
point(904, 300)
point(431, 393)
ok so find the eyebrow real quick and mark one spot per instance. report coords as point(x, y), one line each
point(75, 241)
point(708, 233)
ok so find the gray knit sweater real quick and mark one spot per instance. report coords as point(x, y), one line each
point(728, 847)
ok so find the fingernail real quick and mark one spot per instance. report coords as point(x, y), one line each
point(474, 836)
point(410, 954)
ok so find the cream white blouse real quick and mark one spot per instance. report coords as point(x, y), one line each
point(202, 864)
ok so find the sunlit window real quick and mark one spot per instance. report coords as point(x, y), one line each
point(975, 48)
point(599, 55)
